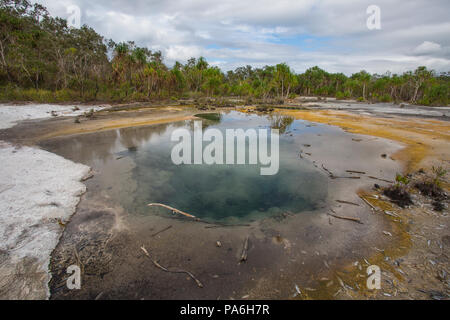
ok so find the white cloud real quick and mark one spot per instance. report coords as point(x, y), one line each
point(427, 47)
point(182, 53)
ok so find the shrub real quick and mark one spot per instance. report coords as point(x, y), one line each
point(385, 98)
point(340, 95)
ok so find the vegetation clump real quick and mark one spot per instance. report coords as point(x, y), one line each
point(431, 187)
point(398, 192)
point(264, 108)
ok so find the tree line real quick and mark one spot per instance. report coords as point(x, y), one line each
point(43, 59)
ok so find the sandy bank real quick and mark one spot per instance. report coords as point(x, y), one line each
point(39, 192)
point(12, 114)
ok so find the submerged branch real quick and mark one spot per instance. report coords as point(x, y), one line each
point(174, 210)
point(161, 231)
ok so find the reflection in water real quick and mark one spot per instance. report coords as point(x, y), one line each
point(213, 117)
point(280, 122)
point(215, 192)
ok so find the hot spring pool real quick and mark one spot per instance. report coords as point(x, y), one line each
point(133, 167)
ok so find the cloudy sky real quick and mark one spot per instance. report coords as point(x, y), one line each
point(332, 34)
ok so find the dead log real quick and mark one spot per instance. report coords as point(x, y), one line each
point(199, 284)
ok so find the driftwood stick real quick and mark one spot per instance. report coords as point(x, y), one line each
point(215, 224)
point(345, 218)
point(347, 202)
point(173, 210)
point(328, 171)
point(392, 214)
point(244, 250)
point(351, 177)
point(354, 171)
point(379, 179)
point(368, 203)
point(161, 231)
point(199, 284)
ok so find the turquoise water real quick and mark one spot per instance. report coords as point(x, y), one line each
point(211, 192)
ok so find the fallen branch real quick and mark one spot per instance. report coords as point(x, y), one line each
point(379, 179)
point(173, 210)
point(368, 203)
point(244, 250)
point(347, 202)
point(161, 231)
point(345, 218)
point(328, 171)
point(171, 271)
point(392, 214)
point(353, 171)
point(334, 177)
